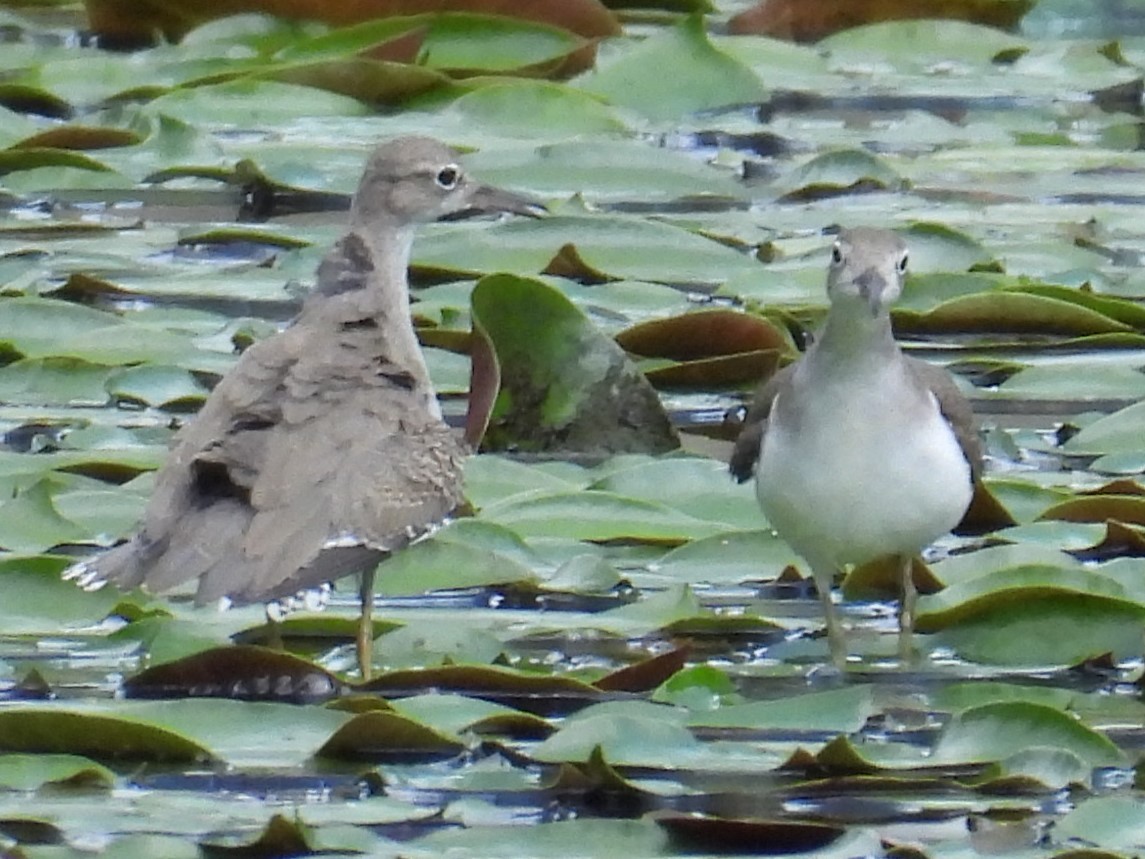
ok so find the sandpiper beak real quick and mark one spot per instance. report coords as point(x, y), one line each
point(871, 286)
point(486, 198)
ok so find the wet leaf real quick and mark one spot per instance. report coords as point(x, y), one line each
point(812, 20)
point(839, 710)
point(636, 739)
point(1112, 822)
point(994, 732)
point(1118, 432)
point(528, 692)
point(727, 558)
point(568, 389)
point(35, 772)
point(157, 385)
point(1010, 312)
point(30, 522)
point(1048, 767)
point(839, 172)
point(703, 77)
point(280, 838)
point(123, 21)
point(102, 737)
point(376, 735)
point(720, 835)
point(646, 674)
point(438, 564)
point(1071, 614)
point(240, 672)
point(54, 381)
point(595, 515)
point(80, 137)
point(705, 334)
point(609, 171)
point(34, 599)
point(521, 108)
point(701, 488)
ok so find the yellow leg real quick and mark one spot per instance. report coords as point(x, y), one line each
point(365, 639)
point(906, 608)
point(274, 634)
point(836, 641)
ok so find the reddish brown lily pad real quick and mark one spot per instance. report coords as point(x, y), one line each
point(132, 20)
point(704, 334)
point(243, 672)
point(812, 20)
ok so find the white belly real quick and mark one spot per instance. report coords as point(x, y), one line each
point(860, 479)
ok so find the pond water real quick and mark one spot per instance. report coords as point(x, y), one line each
point(135, 261)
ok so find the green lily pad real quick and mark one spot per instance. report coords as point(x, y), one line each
point(30, 522)
point(1119, 432)
point(1034, 614)
point(596, 515)
point(838, 710)
point(33, 772)
point(994, 732)
point(379, 734)
point(1110, 822)
point(102, 737)
point(546, 379)
point(703, 76)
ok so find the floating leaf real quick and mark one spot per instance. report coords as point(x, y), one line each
point(529, 692)
point(438, 564)
point(837, 711)
point(1034, 614)
point(703, 77)
point(595, 515)
point(841, 171)
point(994, 732)
point(241, 672)
point(34, 772)
point(56, 731)
point(812, 20)
point(378, 734)
point(704, 334)
point(546, 379)
point(30, 522)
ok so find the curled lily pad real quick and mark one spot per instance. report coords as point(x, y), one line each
point(812, 20)
point(546, 379)
point(528, 692)
point(1035, 614)
point(994, 732)
point(705, 334)
point(379, 734)
point(703, 76)
point(32, 772)
point(92, 735)
point(843, 171)
point(715, 834)
point(241, 672)
point(1118, 432)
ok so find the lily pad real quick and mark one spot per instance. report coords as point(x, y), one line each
point(546, 379)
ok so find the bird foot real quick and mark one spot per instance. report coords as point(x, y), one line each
point(85, 576)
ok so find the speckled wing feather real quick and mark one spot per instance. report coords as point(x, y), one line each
point(314, 455)
point(954, 407)
point(745, 455)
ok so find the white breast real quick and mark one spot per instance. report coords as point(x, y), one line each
point(858, 475)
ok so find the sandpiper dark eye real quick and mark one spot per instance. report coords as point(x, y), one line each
point(448, 177)
point(902, 264)
point(836, 254)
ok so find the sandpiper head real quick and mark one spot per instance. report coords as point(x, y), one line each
point(410, 180)
point(867, 266)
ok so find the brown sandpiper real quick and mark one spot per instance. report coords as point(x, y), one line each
point(323, 449)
